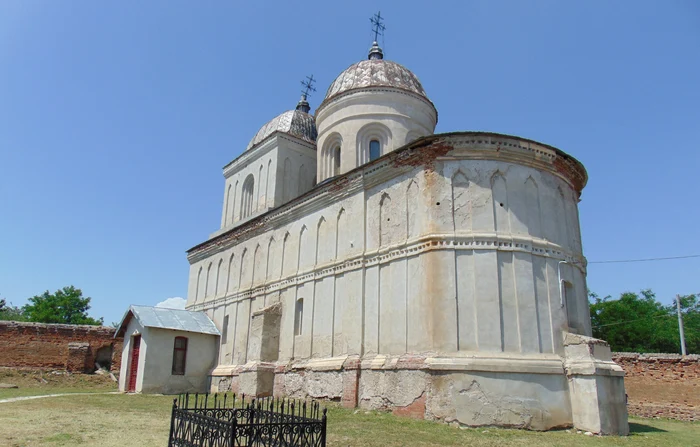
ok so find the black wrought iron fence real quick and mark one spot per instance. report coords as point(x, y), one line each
point(225, 420)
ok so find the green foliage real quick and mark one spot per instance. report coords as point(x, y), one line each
point(8, 312)
point(639, 323)
point(65, 306)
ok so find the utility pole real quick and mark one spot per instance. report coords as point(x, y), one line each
point(680, 324)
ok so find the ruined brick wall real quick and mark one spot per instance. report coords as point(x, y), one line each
point(60, 346)
point(662, 385)
point(660, 367)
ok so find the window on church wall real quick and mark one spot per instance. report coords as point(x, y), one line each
point(302, 180)
point(336, 160)
point(374, 150)
point(224, 330)
point(571, 307)
point(247, 197)
point(227, 202)
point(298, 316)
point(287, 178)
point(233, 207)
point(179, 356)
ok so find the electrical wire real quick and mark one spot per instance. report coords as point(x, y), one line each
point(644, 260)
point(632, 321)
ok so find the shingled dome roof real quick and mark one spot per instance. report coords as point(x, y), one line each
point(293, 122)
point(375, 73)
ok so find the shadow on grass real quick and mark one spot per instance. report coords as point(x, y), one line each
point(642, 428)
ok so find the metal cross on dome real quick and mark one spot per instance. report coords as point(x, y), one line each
point(308, 84)
point(377, 25)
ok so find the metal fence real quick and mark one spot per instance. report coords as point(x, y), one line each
point(225, 420)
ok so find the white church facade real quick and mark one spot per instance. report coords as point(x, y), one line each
point(364, 259)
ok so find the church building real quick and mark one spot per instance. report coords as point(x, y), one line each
point(364, 259)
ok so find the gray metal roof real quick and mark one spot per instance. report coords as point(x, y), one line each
point(293, 122)
point(175, 319)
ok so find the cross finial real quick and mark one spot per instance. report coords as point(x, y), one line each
point(377, 25)
point(308, 84)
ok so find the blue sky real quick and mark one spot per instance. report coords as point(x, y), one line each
point(116, 118)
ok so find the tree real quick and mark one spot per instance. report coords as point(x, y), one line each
point(639, 323)
point(8, 312)
point(66, 306)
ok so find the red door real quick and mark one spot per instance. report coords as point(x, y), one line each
point(134, 366)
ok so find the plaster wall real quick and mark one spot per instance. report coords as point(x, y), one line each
point(154, 373)
point(283, 167)
point(393, 117)
point(375, 259)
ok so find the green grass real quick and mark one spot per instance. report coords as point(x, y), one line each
point(143, 420)
point(36, 383)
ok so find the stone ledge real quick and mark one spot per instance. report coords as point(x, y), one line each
point(596, 368)
point(225, 370)
point(326, 364)
point(509, 364)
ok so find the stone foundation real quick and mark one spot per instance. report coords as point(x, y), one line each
point(536, 392)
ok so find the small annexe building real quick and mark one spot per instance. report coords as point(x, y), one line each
point(166, 351)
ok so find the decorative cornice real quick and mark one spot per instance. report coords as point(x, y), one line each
point(262, 148)
point(419, 153)
point(454, 362)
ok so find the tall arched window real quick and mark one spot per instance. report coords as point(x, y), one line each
point(336, 160)
point(247, 196)
point(373, 140)
point(302, 180)
point(571, 307)
point(298, 316)
point(374, 150)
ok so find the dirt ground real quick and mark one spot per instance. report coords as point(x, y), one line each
point(651, 398)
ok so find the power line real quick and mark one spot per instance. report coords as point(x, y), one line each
point(631, 321)
point(643, 260)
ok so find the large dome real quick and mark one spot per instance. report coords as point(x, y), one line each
point(375, 73)
point(293, 122)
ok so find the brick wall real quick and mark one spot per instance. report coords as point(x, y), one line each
point(660, 367)
point(662, 385)
point(59, 346)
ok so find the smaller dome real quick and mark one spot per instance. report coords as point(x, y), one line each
point(292, 122)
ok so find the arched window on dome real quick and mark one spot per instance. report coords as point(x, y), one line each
point(331, 156)
point(247, 196)
point(336, 160)
point(375, 149)
point(373, 141)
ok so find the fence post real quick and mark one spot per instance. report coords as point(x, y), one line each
point(324, 420)
point(172, 423)
point(234, 423)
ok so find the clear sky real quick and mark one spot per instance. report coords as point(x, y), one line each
point(117, 117)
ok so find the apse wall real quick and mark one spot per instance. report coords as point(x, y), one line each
point(459, 254)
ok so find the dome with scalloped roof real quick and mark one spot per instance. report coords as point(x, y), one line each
point(292, 122)
point(375, 72)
